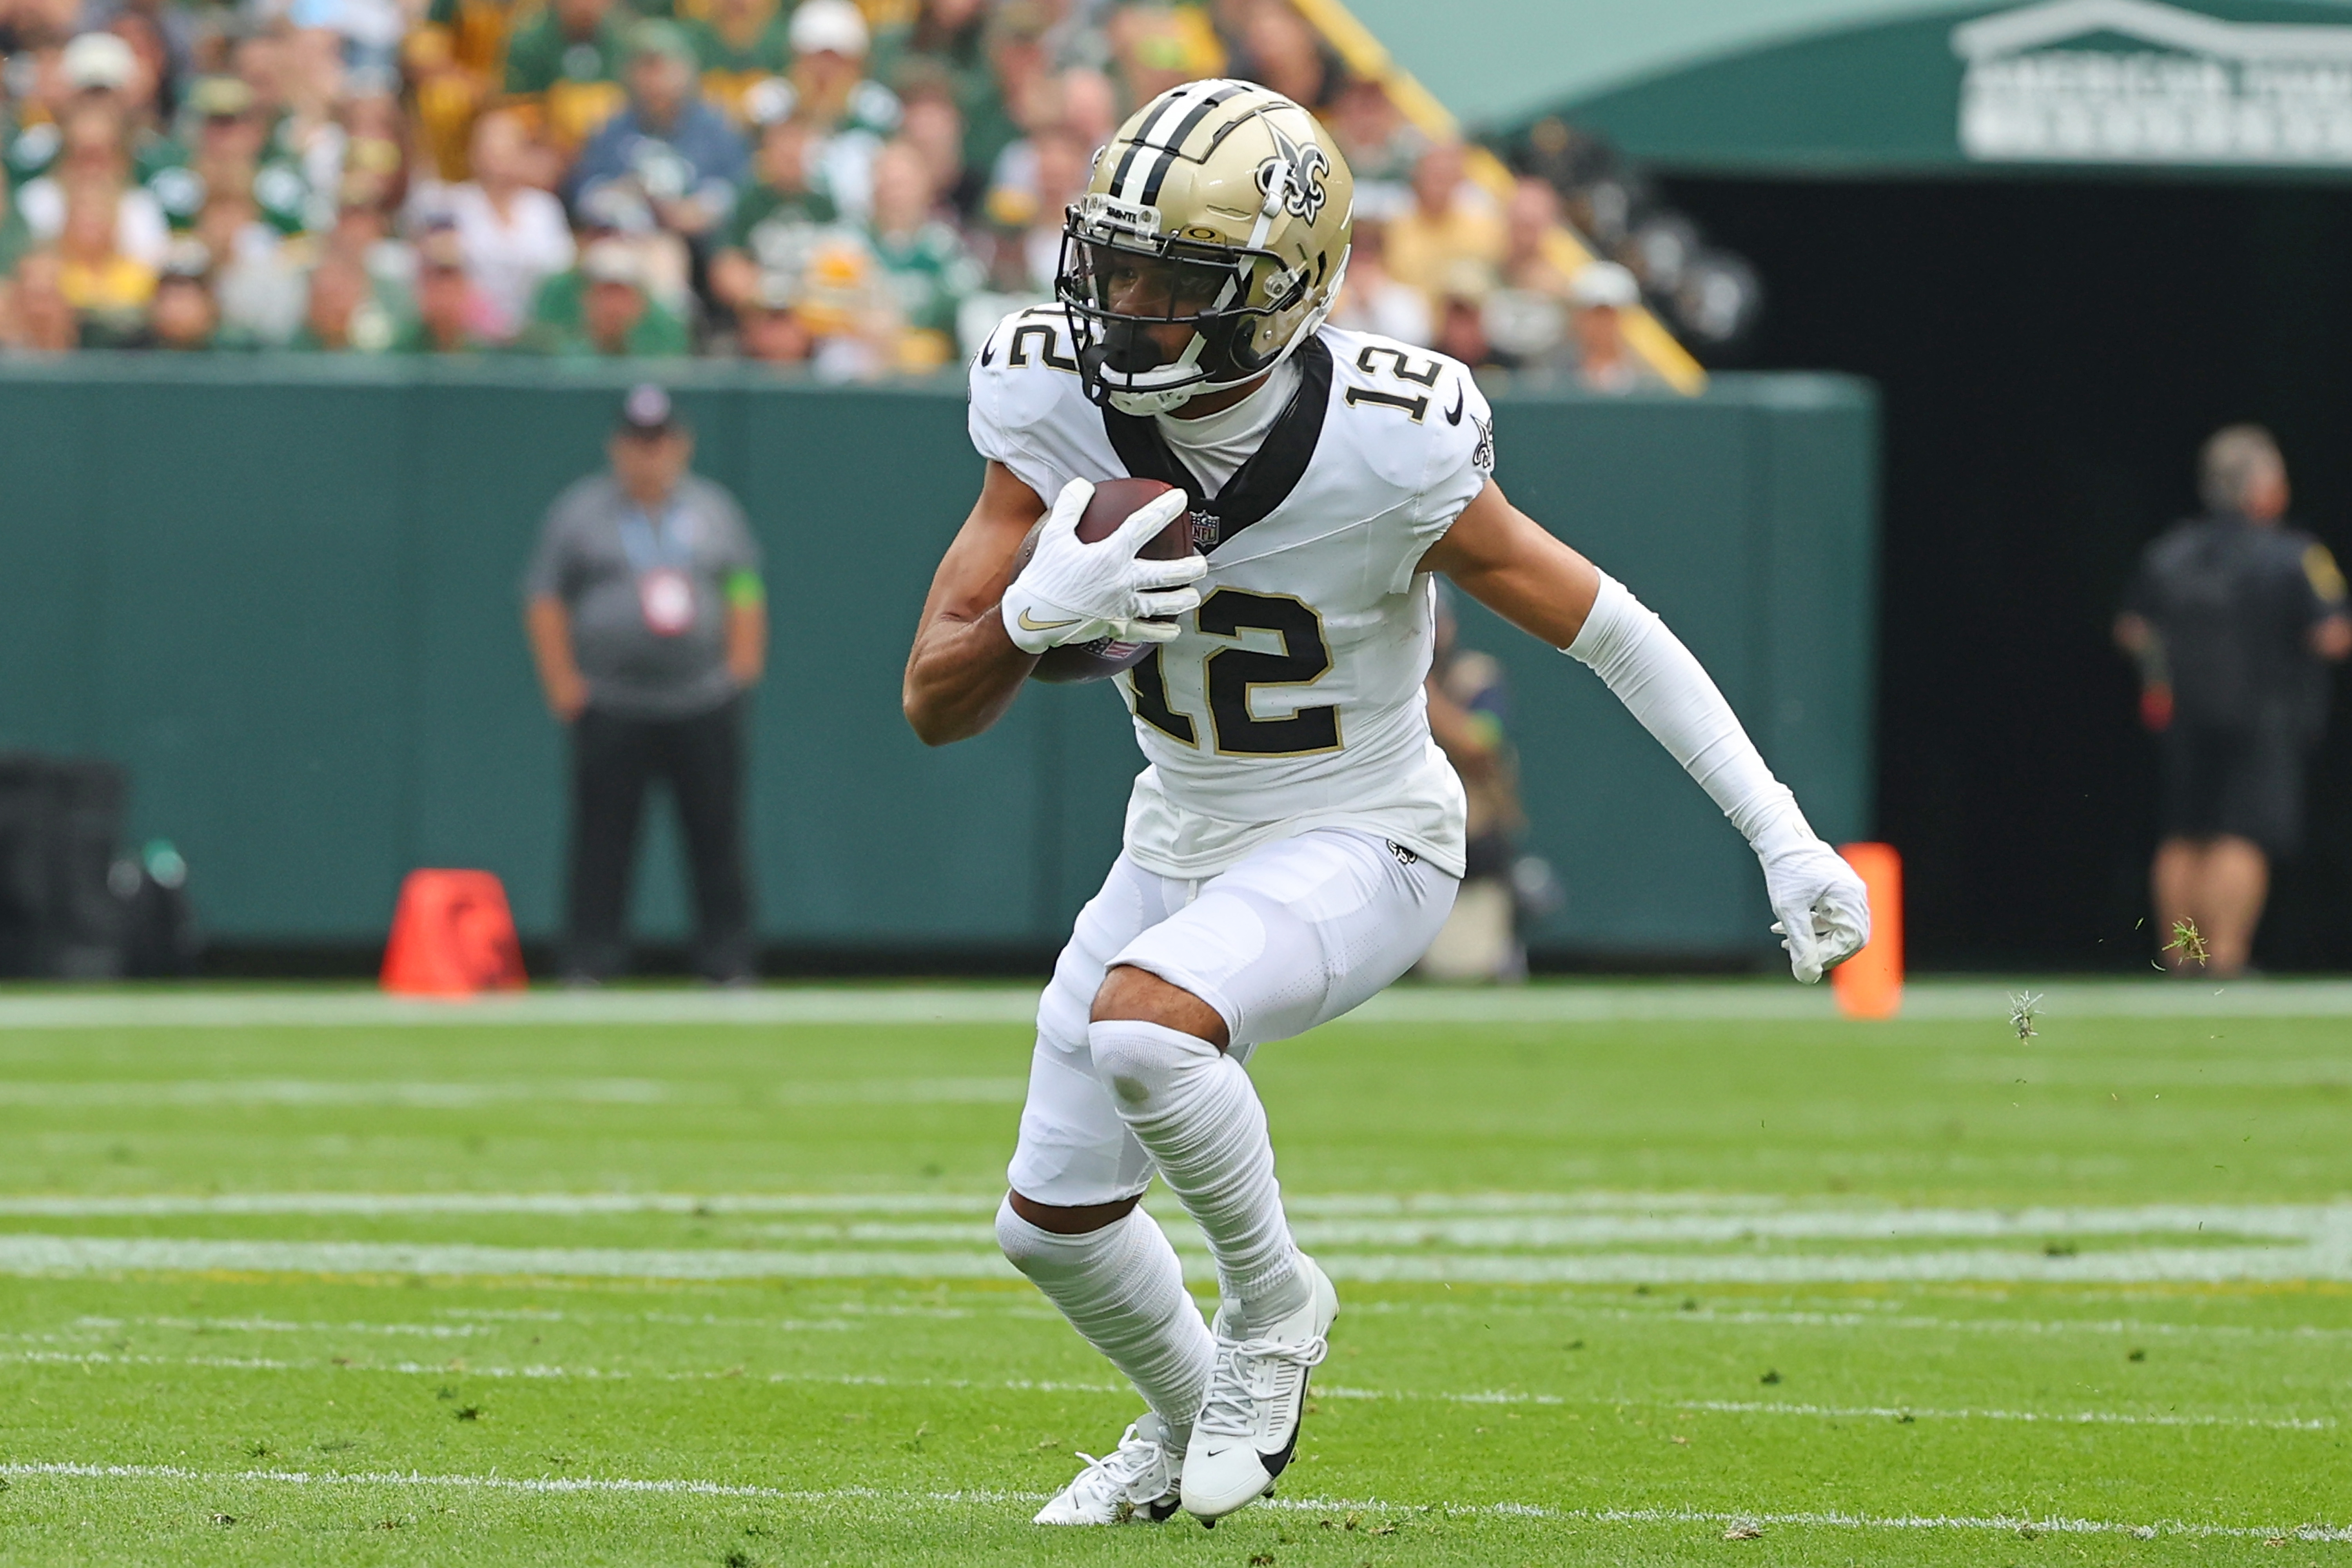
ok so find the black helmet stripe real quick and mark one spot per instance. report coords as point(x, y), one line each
point(1177, 138)
point(1139, 181)
point(1120, 184)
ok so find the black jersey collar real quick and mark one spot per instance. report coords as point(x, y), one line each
point(1262, 483)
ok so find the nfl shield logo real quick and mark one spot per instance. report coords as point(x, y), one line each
point(1204, 532)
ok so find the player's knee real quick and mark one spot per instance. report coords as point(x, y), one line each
point(1138, 996)
point(1036, 1238)
point(1147, 1066)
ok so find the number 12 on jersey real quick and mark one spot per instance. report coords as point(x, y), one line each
point(1230, 675)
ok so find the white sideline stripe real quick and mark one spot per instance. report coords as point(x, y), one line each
point(559, 1485)
point(332, 1092)
point(36, 1254)
point(127, 1009)
point(462, 1096)
point(1758, 1001)
point(546, 1373)
point(82, 1254)
point(145, 1205)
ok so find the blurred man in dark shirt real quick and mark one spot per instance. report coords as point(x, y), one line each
point(2231, 618)
point(649, 623)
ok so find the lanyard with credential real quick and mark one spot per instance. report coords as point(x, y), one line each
point(660, 556)
point(653, 546)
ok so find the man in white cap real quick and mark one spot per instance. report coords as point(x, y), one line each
point(828, 89)
point(99, 70)
point(1597, 299)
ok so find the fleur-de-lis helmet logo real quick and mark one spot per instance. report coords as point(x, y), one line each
point(1301, 168)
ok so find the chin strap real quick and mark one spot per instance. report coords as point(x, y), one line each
point(1168, 401)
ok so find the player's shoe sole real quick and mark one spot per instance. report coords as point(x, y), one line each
point(1248, 1433)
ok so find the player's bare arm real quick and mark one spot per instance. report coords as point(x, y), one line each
point(1510, 563)
point(1516, 567)
point(965, 670)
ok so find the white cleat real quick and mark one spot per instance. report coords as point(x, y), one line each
point(1136, 1483)
point(1248, 1428)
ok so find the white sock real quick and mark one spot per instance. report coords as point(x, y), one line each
point(1123, 1290)
point(1195, 1111)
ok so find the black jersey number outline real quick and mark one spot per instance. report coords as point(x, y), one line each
point(1401, 366)
point(1231, 675)
point(1016, 352)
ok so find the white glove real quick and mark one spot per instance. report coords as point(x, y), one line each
point(1074, 592)
point(1824, 908)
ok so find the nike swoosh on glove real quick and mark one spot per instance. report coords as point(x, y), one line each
point(1075, 592)
point(1824, 908)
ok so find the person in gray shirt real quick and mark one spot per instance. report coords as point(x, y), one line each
point(648, 623)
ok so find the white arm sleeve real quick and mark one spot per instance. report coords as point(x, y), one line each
point(1664, 686)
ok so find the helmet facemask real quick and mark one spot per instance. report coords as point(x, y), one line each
point(1120, 276)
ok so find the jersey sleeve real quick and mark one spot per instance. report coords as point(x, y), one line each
point(1009, 397)
point(1461, 459)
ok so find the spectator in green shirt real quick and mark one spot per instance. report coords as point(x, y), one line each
point(564, 65)
point(783, 199)
point(923, 262)
point(449, 313)
point(600, 308)
point(340, 313)
point(947, 41)
point(16, 238)
point(740, 44)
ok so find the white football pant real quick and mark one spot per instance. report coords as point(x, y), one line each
point(1297, 934)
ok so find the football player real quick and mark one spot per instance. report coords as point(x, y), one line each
point(1296, 837)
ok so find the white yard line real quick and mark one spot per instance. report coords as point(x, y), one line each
point(553, 1372)
point(26, 1254)
point(1841, 1413)
point(1338, 1219)
point(2045, 1417)
point(273, 1326)
point(1705, 1000)
point(562, 1484)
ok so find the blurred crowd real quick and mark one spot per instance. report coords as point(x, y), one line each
point(864, 188)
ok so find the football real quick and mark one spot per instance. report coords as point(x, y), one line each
point(1114, 501)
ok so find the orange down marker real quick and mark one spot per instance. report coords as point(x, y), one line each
point(451, 935)
point(1869, 984)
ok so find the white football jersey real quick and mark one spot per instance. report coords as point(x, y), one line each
point(1292, 697)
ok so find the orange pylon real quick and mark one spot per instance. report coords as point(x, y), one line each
point(451, 935)
point(1869, 984)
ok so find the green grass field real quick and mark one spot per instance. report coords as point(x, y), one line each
point(1629, 1275)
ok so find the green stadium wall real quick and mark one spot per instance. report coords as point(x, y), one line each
point(283, 592)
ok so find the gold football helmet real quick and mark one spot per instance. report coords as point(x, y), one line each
point(1219, 205)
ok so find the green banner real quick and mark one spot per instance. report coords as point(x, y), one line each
point(2261, 89)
